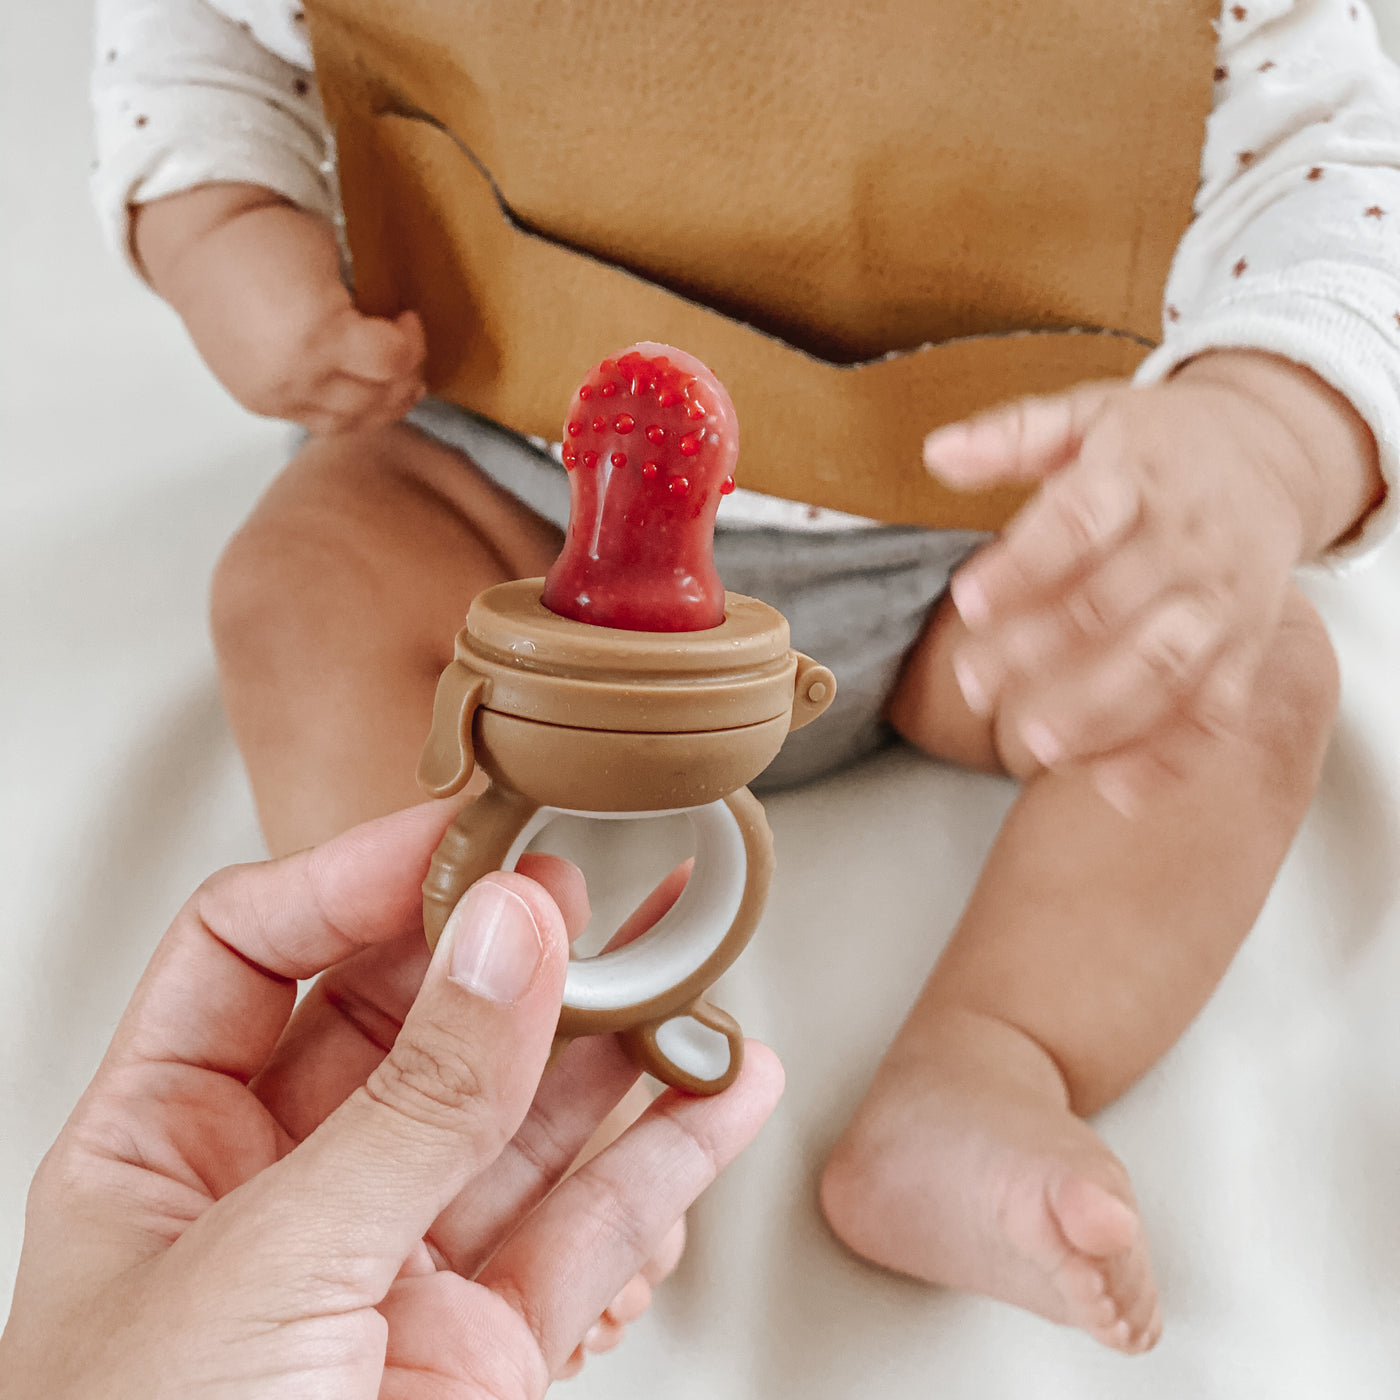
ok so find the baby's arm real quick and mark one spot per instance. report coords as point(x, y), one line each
point(256, 281)
point(1126, 609)
point(213, 178)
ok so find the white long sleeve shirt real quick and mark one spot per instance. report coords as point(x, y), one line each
point(1294, 249)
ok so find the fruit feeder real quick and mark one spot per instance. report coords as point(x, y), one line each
point(629, 684)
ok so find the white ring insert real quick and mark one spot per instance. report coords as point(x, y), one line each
point(688, 933)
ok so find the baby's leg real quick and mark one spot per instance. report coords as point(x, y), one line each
point(334, 610)
point(1089, 944)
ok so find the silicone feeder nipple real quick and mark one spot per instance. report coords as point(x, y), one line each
point(650, 445)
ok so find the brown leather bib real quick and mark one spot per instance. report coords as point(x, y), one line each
point(869, 218)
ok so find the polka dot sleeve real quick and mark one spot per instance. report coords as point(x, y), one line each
point(185, 94)
point(1295, 248)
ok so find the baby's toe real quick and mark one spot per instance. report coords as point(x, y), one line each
point(1153, 1334)
point(1117, 1335)
point(1080, 1284)
point(1130, 1284)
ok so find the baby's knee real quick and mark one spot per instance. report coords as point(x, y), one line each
point(271, 591)
point(308, 572)
point(927, 708)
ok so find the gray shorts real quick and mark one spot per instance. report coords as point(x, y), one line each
point(855, 599)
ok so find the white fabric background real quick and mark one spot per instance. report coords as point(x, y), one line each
point(1265, 1148)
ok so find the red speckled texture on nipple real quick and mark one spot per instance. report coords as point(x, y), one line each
point(650, 445)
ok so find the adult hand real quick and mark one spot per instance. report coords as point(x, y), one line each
point(1121, 618)
point(257, 282)
point(250, 1202)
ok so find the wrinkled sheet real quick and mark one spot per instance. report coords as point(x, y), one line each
point(1265, 1147)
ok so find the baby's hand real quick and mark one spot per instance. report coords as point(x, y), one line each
point(1120, 620)
point(257, 283)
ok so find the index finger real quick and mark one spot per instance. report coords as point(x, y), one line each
point(1077, 517)
point(222, 983)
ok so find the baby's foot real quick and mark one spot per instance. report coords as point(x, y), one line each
point(965, 1167)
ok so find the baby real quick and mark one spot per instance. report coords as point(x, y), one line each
point(1131, 647)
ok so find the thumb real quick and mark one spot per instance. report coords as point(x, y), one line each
point(381, 351)
point(1022, 441)
point(352, 1200)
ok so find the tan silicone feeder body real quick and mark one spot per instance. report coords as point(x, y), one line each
point(567, 718)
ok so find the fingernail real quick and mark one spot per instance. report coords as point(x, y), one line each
point(970, 600)
point(1042, 743)
point(495, 943)
point(593, 1336)
point(973, 691)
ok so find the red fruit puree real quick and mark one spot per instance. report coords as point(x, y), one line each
point(650, 445)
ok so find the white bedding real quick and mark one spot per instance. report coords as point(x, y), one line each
point(1265, 1148)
